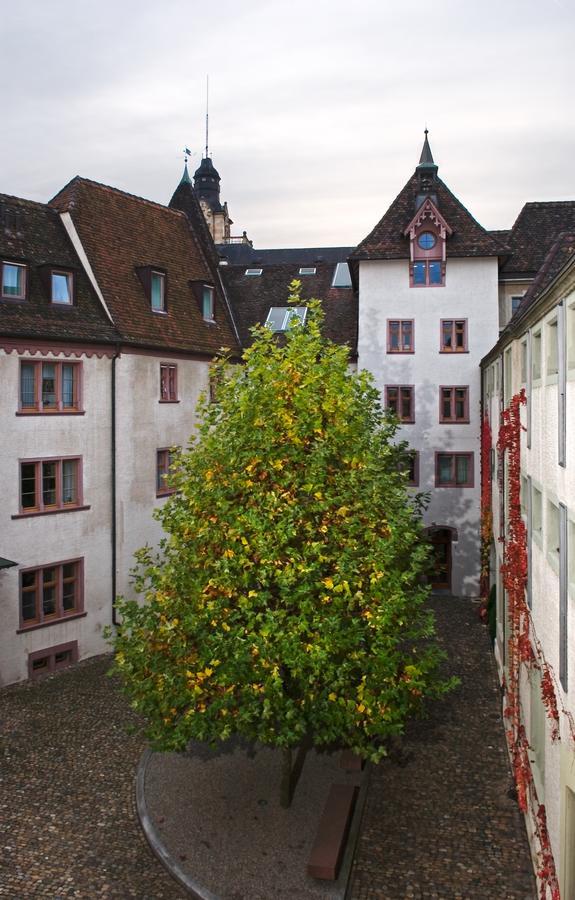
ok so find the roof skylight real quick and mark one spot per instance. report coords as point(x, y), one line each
point(253, 272)
point(341, 276)
point(279, 318)
point(307, 270)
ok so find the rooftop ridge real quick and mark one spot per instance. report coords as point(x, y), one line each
point(24, 201)
point(79, 179)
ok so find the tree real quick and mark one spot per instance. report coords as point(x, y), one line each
point(287, 601)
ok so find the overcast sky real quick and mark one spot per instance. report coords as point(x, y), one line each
point(317, 108)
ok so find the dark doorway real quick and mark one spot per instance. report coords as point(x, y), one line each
point(440, 574)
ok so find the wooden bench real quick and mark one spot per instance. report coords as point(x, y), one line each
point(327, 851)
point(350, 762)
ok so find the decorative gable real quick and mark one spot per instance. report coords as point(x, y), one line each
point(428, 232)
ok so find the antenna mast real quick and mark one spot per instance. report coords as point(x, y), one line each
point(207, 107)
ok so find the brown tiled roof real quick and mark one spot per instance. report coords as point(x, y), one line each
point(386, 241)
point(121, 232)
point(561, 252)
point(252, 296)
point(33, 233)
point(533, 233)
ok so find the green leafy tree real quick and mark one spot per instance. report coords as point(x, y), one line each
point(286, 604)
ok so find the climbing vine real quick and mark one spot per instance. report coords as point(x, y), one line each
point(524, 647)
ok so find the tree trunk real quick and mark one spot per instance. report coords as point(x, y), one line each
point(286, 786)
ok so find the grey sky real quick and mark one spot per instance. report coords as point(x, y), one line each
point(317, 108)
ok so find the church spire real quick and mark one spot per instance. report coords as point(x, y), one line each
point(185, 179)
point(426, 172)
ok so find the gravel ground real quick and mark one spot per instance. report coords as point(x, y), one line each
point(438, 826)
point(441, 824)
point(67, 816)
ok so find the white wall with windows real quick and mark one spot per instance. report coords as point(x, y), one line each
point(430, 366)
point(56, 509)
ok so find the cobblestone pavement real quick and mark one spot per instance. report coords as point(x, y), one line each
point(67, 820)
point(441, 824)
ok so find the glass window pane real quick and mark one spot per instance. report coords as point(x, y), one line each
point(157, 287)
point(49, 386)
point(460, 394)
point(342, 277)
point(68, 372)
point(435, 273)
point(419, 273)
point(406, 403)
point(406, 331)
point(394, 335)
point(446, 339)
point(69, 481)
point(444, 468)
point(461, 469)
point(460, 335)
point(61, 287)
point(446, 403)
point(49, 483)
point(49, 592)
point(28, 485)
point(208, 303)
point(69, 595)
point(28, 602)
point(28, 385)
point(12, 280)
point(392, 399)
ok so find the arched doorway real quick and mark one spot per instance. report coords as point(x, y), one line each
point(441, 538)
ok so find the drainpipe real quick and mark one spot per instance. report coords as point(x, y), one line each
point(113, 473)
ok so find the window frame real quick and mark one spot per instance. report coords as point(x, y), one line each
point(470, 483)
point(452, 419)
point(169, 384)
point(212, 303)
point(19, 265)
point(399, 388)
point(337, 276)
point(453, 349)
point(413, 482)
point(69, 276)
point(160, 310)
point(50, 654)
point(41, 620)
point(38, 407)
point(427, 282)
point(164, 459)
point(401, 323)
point(40, 507)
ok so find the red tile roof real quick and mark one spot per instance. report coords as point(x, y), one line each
point(121, 232)
point(386, 241)
point(534, 232)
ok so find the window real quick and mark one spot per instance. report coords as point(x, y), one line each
point(400, 400)
point(536, 355)
point(253, 272)
point(454, 404)
point(164, 459)
point(168, 383)
point(553, 532)
point(523, 352)
point(427, 273)
point(62, 287)
point(280, 318)
point(49, 485)
point(570, 331)
point(571, 556)
point(516, 303)
point(454, 469)
point(552, 348)
point(341, 276)
point(45, 662)
point(13, 281)
point(426, 240)
point(412, 460)
point(453, 336)
point(507, 376)
point(307, 270)
point(400, 337)
point(158, 291)
point(51, 593)
point(208, 304)
point(537, 514)
point(50, 386)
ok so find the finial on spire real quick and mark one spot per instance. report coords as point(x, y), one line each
point(185, 179)
point(426, 158)
point(207, 108)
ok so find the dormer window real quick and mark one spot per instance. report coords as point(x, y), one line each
point(158, 291)
point(427, 232)
point(13, 281)
point(208, 303)
point(280, 318)
point(62, 284)
point(341, 276)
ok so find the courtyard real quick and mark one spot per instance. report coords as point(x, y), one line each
point(440, 820)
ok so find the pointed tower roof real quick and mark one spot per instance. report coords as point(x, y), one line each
point(426, 158)
point(185, 179)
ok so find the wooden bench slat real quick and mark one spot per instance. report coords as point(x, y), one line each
point(333, 828)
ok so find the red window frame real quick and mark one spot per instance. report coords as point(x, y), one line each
point(453, 481)
point(428, 282)
point(40, 477)
point(58, 583)
point(164, 459)
point(458, 326)
point(456, 399)
point(400, 328)
point(52, 659)
point(20, 265)
point(168, 383)
point(37, 405)
point(396, 396)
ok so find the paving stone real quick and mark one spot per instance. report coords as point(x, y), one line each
point(441, 824)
